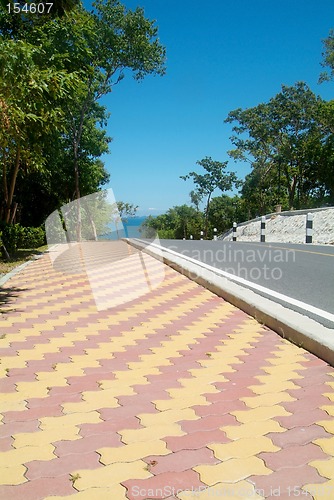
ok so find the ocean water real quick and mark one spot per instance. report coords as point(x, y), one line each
point(132, 226)
point(130, 229)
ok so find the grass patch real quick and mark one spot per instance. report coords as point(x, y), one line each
point(19, 257)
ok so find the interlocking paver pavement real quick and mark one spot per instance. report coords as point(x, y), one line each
point(173, 394)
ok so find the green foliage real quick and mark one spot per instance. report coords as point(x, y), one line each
point(214, 178)
point(177, 223)
point(126, 210)
point(224, 210)
point(53, 71)
point(11, 234)
point(15, 236)
point(328, 58)
point(279, 139)
point(32, 237)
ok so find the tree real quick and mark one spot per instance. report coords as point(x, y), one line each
point(224, 210)
point(102, 46)
point(95, 48)
point(277, 137)
point(31, 100)
point(19, 25)
point(214, 178)
point(328, 58)
point(126, 210)
point(177, 223)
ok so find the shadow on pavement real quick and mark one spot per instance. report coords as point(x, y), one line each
point(7, 295)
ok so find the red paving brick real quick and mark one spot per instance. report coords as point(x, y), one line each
point(163, 485)
point(293, 456)
point(180, 461)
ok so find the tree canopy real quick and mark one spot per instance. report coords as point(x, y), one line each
point(54, 70)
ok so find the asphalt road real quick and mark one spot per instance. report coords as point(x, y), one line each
point(302, 272)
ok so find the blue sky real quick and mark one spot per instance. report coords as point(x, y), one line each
point(221, 55)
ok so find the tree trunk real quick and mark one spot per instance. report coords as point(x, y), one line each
point(77, 188)
point(207, 216)
point(91, 220)
point(12, 185)
point(292, 191)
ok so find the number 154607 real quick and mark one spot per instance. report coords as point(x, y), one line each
point(33, 8)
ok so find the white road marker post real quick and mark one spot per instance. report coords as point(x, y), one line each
point(234, 231)
point(263, 229)
point(309, 228)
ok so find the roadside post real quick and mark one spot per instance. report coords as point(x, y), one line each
point(309, 228)
point(263, 229)
point(234, 231)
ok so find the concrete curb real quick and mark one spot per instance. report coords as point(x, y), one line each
point(295, 327)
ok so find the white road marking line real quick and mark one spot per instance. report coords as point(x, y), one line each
point(260, 288)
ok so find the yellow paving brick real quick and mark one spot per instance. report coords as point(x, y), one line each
point(151, 361)
point(324, 467)
point(200, 388)
point(13, 475)
point(71, 419)
point(279, 377)
point(288, 370)
point(43, 349)
point(237, 491)
point(328, 409)
point(204, 376)
point(13, 405)
point(130, 374)
point(225, 359)
point(233, 470)
point(13, 362)
point(260, 413)
point(116, 492)
point(273, 386)
point(26, 454)
point(329, 395)
point(27, 390)
point(321, 491)
point(167, 417)
point(216, 365)
point(62, 342)
point(252, 429)
point(286, 359)
point(186, 402)
point(326, 444)
point(150, 433)
point(120, 388)
point(111, 474)
point(132, 452)
point(242, 448)
point(42, 438)
point(328, 425)
point(268, 399)
point(58, 376)
point(85, 361)
point(93, 400)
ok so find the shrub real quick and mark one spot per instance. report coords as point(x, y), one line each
point(31, 237)
point(10, 236)
point(15, 236)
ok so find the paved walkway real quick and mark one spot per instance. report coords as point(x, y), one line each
point(174, 394)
